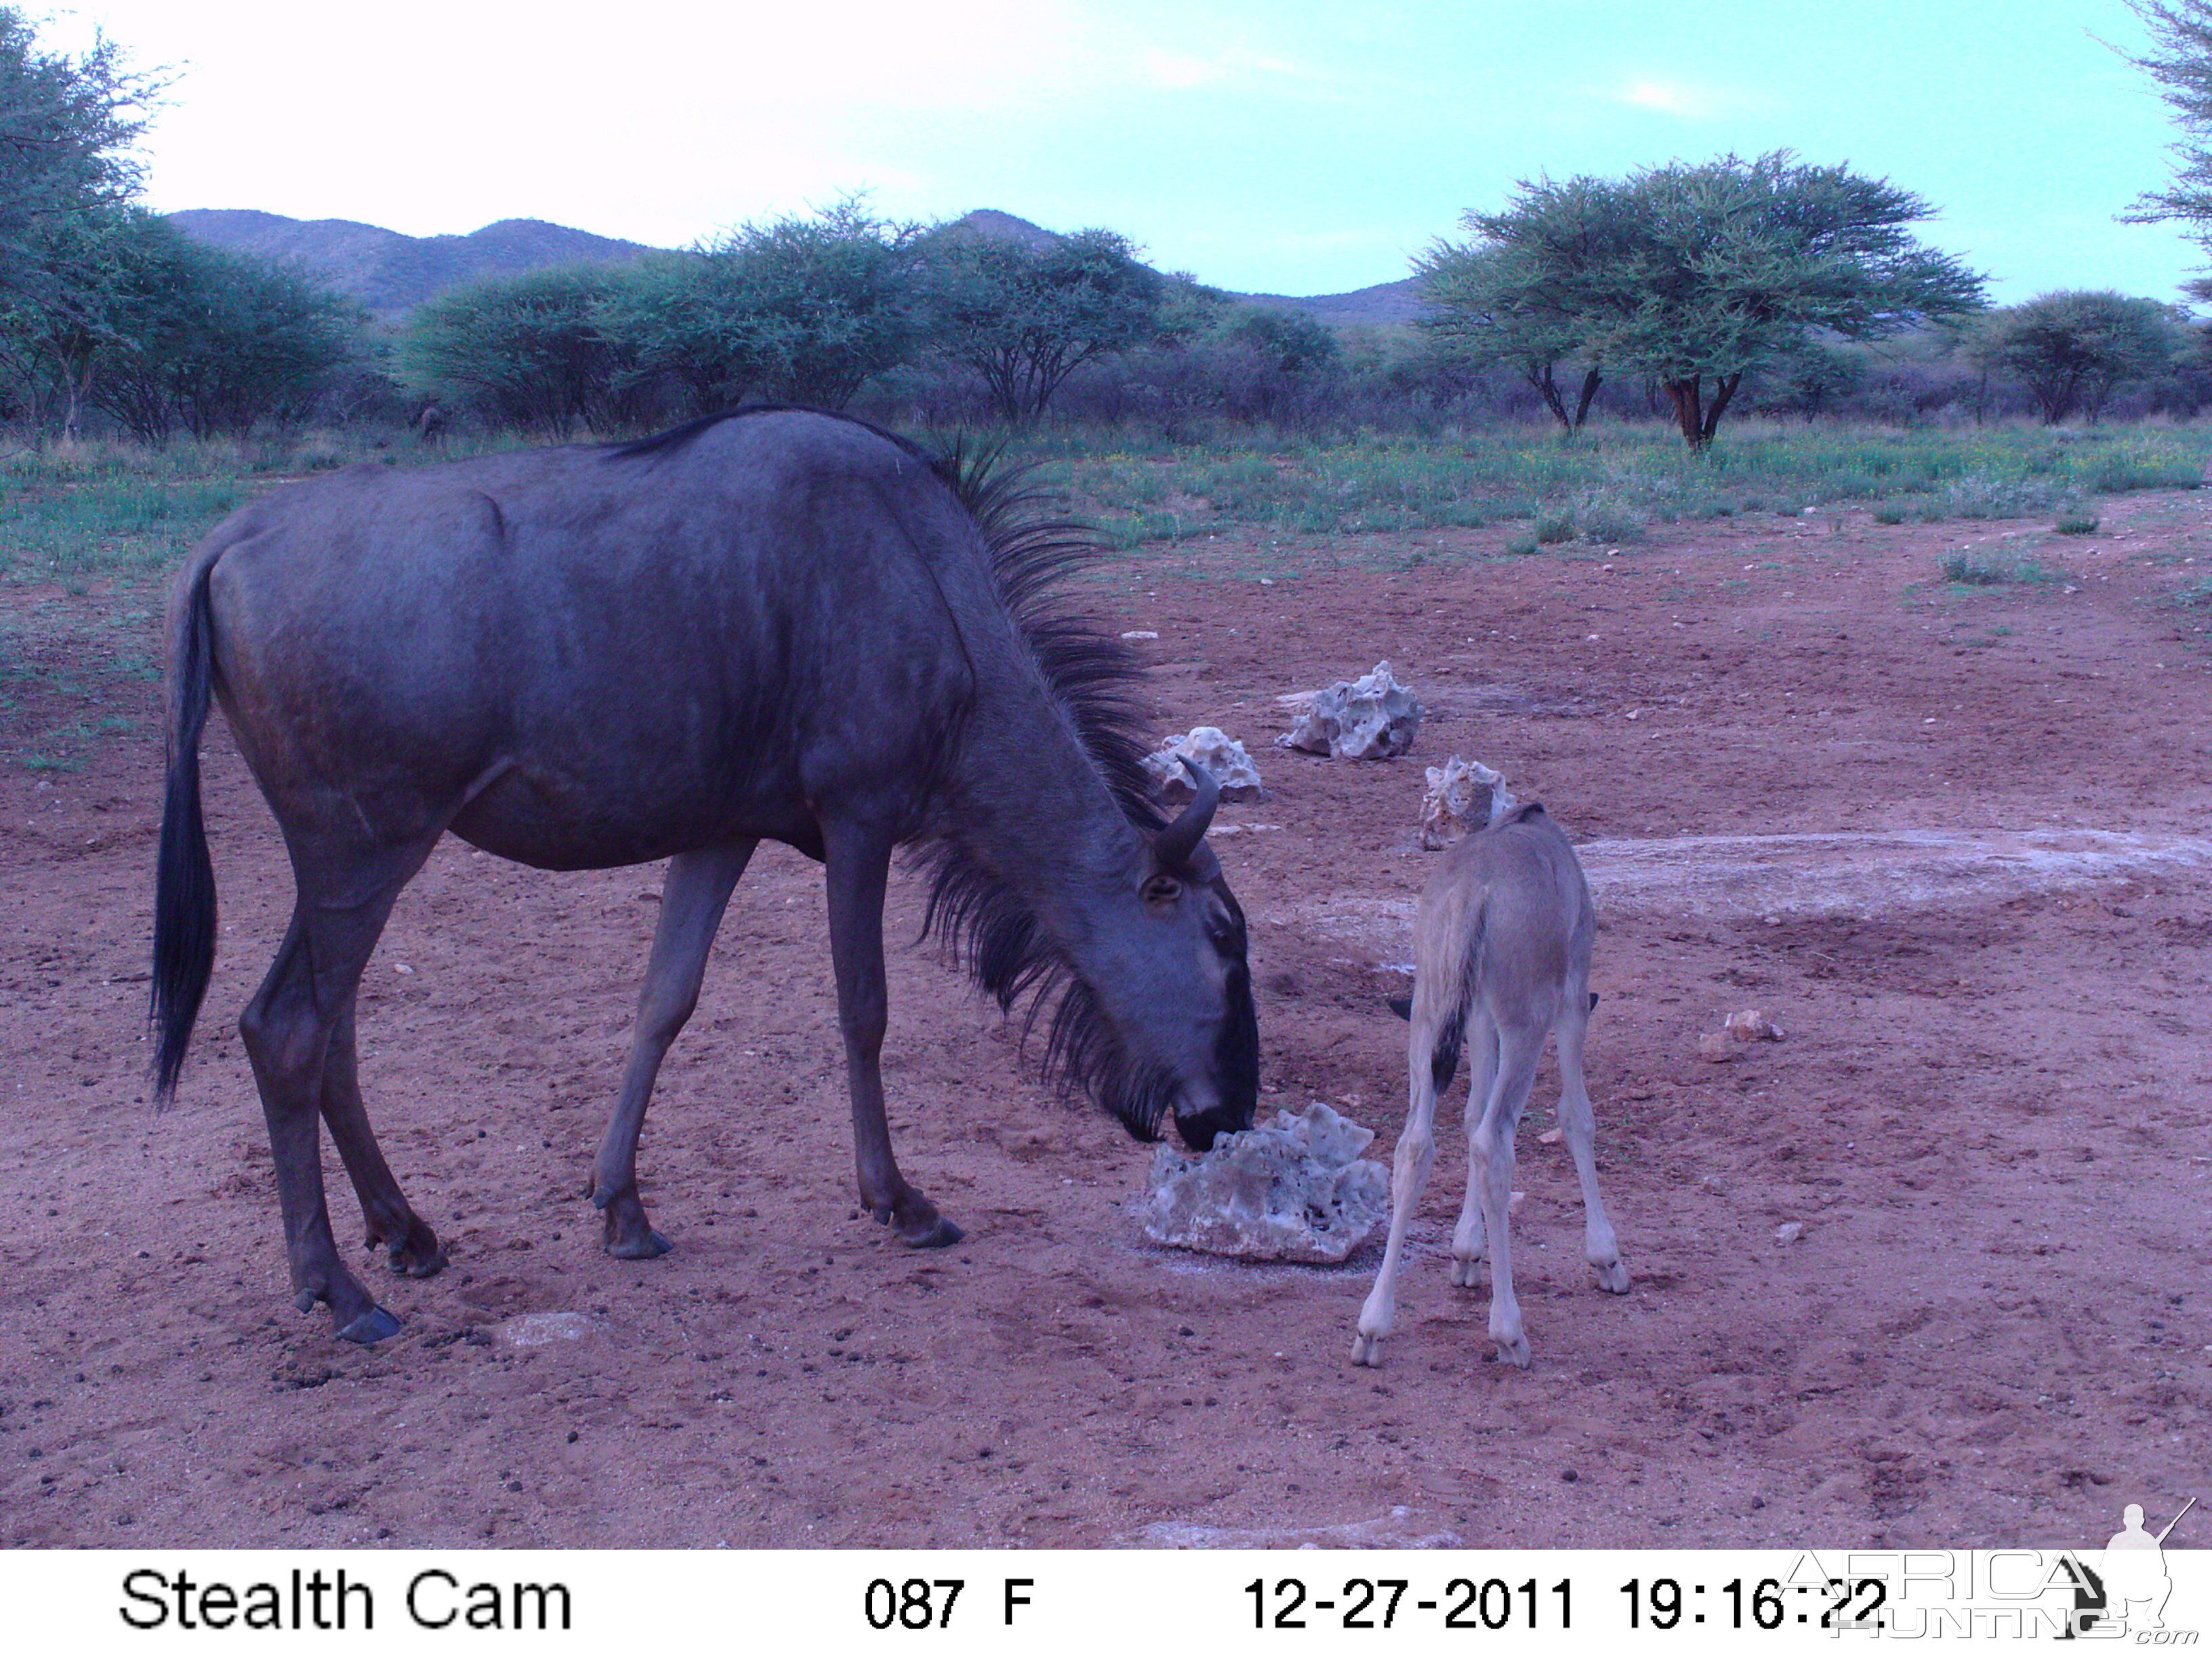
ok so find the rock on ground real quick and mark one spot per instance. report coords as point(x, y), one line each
point(1372, 718)
point(1294, 1190)
point(1462, 795)
point(1225, 760)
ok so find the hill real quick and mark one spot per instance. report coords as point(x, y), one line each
point(391, 273)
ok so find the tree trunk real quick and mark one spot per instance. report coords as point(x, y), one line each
point(1539, 375)
point(1591, 381)
point(1724, 390)
point(1689, 413)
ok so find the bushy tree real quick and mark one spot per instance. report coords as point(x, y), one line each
point(801, 310)
point(529, 351)
point(1027, 318)
point(1520, 293)
point(2180, 60)
point(1694, 275)
point(66, 129)
point(2073, 350)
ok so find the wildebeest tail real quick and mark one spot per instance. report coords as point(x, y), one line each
point(184, 876)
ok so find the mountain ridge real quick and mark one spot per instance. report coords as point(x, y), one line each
point(392, 273)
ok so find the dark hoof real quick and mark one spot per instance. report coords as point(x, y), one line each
point(418, 1263)
point(639, 1247)
point(934, 1237)
point(371, 1327)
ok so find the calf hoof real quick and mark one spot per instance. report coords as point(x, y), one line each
point(1613, 1277)
point(417, 1255)
point(1514, 1352)
point(1366, 1350)
point(371, 1327)
point(1467, 1271)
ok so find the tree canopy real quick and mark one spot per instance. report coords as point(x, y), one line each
point(1026, 318)
point(1691, 275)
point(66, 129)
point(2180, 60)
point(2073, 350)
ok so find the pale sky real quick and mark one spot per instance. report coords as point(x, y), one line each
point(1263, 145)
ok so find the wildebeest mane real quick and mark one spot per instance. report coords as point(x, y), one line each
point(983, 922)
point(1095, 677)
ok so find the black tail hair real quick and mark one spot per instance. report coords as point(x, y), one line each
point(184, 877)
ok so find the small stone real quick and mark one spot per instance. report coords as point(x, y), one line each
point(1753, 1025)
point(1550, 1136)
point(1789, 1232)
point(1716, 1046)
point(1294, 1190)
point(535, 1330)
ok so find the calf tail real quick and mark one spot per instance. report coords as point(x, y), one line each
point(1448, 1035)
point(184, 876)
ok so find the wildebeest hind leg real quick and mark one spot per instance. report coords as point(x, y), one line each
point(412, 1246)
point(692, 898)
point(289, 1028)
point(857, 859)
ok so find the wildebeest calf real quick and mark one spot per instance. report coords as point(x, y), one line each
point(1501, 958)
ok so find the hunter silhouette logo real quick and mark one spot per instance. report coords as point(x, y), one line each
point(2127, 1591)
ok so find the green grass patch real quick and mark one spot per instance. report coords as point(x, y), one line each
point(1610, 485)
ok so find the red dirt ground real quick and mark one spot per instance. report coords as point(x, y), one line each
point(1991, 1114)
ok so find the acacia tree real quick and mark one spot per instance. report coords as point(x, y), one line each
point(2073, 350)
point(1695, 276)
point(528, 351)
point(1519, 292)
point(2180, 60)
point(1027, 318)
point(801, 310)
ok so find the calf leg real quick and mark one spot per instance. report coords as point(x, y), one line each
point(1409, 1173)
point(1467, 1242)
point(1599, 1248)
point(411, 1247)
point(693, 896)
point(1519, 1050)
point(857, 859)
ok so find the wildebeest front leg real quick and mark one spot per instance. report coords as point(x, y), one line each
point(692, 899)
point(858, 863)
point(412, 1246)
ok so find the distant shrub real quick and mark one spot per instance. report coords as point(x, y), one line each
point(1977, 569)
point(1554, 526)
point(2076, 521)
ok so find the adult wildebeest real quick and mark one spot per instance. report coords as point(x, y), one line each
point(1501, 958)
point(775, 624)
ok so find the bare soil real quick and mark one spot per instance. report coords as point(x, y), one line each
point(1952, 841)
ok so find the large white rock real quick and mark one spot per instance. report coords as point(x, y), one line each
point(1225, 760)
point(1463, 795)
point(1294, 1190)
point(1372, 718)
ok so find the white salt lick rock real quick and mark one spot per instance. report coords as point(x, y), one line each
point(1372, 718)
point(1294, 1190)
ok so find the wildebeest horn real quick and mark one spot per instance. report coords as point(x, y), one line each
point(1173, 847)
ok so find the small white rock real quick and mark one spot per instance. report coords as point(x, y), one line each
point(1789, 1232)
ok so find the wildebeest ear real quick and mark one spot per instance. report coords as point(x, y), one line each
point(1402, 1006)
